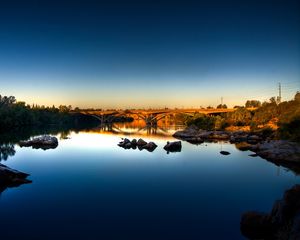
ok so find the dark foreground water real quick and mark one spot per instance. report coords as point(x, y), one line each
point(89, 188)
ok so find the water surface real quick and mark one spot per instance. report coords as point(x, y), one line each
point(89, 188)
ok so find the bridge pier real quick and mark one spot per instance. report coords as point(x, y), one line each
point(151, 120)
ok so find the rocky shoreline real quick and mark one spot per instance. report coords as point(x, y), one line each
point(283, 222)
point(11, 178)
point(281, 152)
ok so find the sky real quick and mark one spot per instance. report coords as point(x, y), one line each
point(141, 54)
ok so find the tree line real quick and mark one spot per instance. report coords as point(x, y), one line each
point(283, 117)
point(16, 114)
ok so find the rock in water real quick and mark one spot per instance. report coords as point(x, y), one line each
point(141, 142)
point(134, 142)
point(11, 177)
point(225, 153)
point(173, 146)
point(124, 142)
point(150, 146)
point(44, 142)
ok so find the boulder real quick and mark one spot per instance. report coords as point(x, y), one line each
point(253, 139)
point(195, 140)
point(219, 135)
point(253, 155)
point(44, 142)
point(133, 142)
point(239, 136)
point(173, 146)
point(243, 146)
point(189, 132)
point(192, 134)
point(150, 146)
point(124, 142)
point(10, 177)
point(141, 142)
point(284, 219)
point(225, 153)
point(128, 145)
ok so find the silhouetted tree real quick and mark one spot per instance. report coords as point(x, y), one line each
point(252, 104)
point(222, 106)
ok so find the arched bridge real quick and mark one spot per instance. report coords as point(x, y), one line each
point(151, 117)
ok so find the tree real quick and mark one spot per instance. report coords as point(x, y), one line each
point(222, 106)
point(273, 100)
point(252, 104)
point(297, 97)
point(240, 117)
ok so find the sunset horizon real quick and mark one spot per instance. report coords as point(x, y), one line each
point(150, 54)
point(150, 119)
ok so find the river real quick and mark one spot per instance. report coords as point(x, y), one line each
point(89, 188)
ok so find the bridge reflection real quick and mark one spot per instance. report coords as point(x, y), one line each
point(138, 127)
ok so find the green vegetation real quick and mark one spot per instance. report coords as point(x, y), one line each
point(15, 114)
point(202, 121)
point(283, 117)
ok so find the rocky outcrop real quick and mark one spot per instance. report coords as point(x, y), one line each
point(243, 146)
point(173, 146)
point(194, 134)
point(187, 133)
point(11, 178)
point(282, 223)
point(43, 142)
point(278, 151)
point(140, 144)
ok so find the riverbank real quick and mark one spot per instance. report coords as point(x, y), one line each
point(283, 222)
point(263, 144)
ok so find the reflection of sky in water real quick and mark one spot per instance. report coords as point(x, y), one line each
point(88, 186)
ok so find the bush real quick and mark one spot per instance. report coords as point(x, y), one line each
point(290, 130)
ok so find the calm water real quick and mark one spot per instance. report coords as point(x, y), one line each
point(89, 188)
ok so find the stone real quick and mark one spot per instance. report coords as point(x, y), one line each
point(253, 155)
point(43, 142)
point(195, 140)
point(10, 177)
point(243, 146)
point(189, 132)
point(134, 142)
point(173, 146)
point(141, 142)
point(124, 142)
point(150, 146)
point(224, 152)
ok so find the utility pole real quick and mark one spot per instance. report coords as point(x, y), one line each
point(279, 93)
point(221, 102)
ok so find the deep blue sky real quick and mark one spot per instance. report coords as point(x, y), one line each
point(148, 53)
